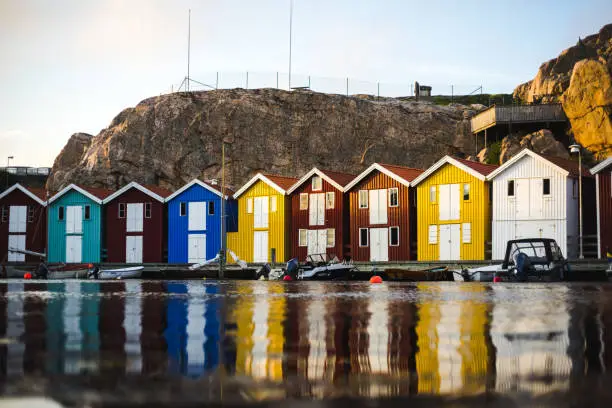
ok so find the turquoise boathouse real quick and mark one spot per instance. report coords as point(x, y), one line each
point(75, 225)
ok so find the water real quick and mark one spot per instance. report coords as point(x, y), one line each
point(247, 341)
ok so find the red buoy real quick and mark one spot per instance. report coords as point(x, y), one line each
point(376, 279)
point(287, 278)
point(27, 275)
point(497, 279)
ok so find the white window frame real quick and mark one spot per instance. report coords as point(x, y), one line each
point(249, 205)
point(303, 201)
point(85, 211)
point(466, 226)
point(148, 209)
point(434, 190)
point(3, 214)
point(331, 232)
point(30, 214)
point(396, 190)
point(329, 194)
point(360, 194)
point(120, 208)
point(367, 243)
point(513, 188)
point(314, 183)
point(398, 236)
point(549, 187)
point(208, 206)
point(273, 204)
point(182, 205)
point(469, 192)
point(302, 239)
point(433, 241)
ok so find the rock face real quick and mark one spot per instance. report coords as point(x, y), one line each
point(541, 142)
point(588, 105)
point(171, 139)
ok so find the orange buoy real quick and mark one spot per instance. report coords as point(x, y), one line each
point(287, 278)
point(376, 279)
point(27, 275)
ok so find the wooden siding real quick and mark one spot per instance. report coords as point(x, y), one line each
point(517, 114)
point(476, 211)
point(508, 225)
point(36, 231)
point(604, 181)
point(334, 218)
point(152, 228)
point(92, 234)
point(399, 216)
point(241, 242)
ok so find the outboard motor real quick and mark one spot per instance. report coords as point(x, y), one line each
point(263, 271)
point(465, 274)
point(94, 272)
point(292, 268)
point(42, 272)
point(523, 266)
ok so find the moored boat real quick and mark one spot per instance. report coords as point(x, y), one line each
point(133, 272)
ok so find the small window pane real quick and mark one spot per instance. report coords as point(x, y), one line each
point(466, 192)
point(303, 237)
point(467, 233)
point(331, 238)
point(147, 210)
point(249, 205)
point(273, 204)
point(303, 201)
point(60, 213)
point(432, 194)
point(546, 186)
point(121, 210)
point(211, 208)
point(393, 197)
point(4, 215)
point(30, 213)
point(394, 236)
point(87, 212)
point(183, 209)
point(363, 198)
point(510, 188)
point(330, 200)
point(363, 237)
point(317, 183)
point(433, 234)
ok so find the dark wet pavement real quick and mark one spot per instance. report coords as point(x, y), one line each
point(156, 342)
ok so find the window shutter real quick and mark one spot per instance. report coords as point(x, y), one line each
point(312, 210)
point(373, 198)
point(321, 209)
point(302, 237)
point(273, 204)
point(382, 206)
point(467, 232)
point(303, 201)
point(249, 206)
point(433, 234)
point(265, 211)
point(78, 219)
point(330, 200)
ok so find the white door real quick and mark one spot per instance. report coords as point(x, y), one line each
point(133, 249)
point(74, 219)
point(16, 242)
point(449, 205)
point(196, 216)
point(378, 206)
point(18, 218)
point(74, 248)
point(521, 194)
point(260, 212)
point(134, 217)
point(316, 209)
point(260, 250)
point(450, 242)
point(196, 248)
point(379, 244)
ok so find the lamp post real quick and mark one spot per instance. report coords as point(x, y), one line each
point(8, 160)
point(575, 148)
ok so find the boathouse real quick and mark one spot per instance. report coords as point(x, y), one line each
point(23, 222)
point(454, 210)
point(536, 196)
point(603, 182)
point(319, 214)
point(194, 221)
point(264, 216)
point(135, 221)
point(382, 213)
point(75, 224)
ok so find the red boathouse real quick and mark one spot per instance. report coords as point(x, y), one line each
point(382, 215)
point(319, 214)
point(603, 182)
point(23, 222)
point(135, 223)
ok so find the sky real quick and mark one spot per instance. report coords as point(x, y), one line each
point(70, 66)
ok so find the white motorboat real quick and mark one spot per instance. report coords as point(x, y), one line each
point(481, 274)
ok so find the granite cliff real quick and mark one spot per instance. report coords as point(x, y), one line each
point(171, 139)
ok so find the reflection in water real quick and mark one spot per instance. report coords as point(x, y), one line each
point(323, 339)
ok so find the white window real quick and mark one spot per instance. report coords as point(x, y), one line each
point(4, 215)
point(394, 236)
point(363, 237)
point(303, 237)
point(147, 210)
point(433, 234)
point(211, 208)
point(546, 186)
point(87, 212)
point(363, 198)
point(317, 183)
point(510, 188)
point(467, 232)
point(273, 204)
point(331, 237)
point(30, 213)
point(183, 209)
point(303, 201)
point(121, 211)
point(249, 205)
point(60, 213)
point(466, 192)
point(432, 194)
point(330, 200)
point(393, 197)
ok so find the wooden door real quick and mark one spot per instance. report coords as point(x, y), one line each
point(379, 244)
point(74, 219)
point(74, 248)
point(16, 242)
point(133, 249)
point(261, 212)
point(196, 249)
point(18, 218)
point(196, 215)
point(260, 250)
point(450, 242)
point(135, 214)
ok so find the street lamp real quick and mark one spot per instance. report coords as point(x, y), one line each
point(8, 160)
point(576, 148)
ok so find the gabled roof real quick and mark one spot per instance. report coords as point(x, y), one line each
point(155, 192)
point(602, 166)
point(36, 194)
point(213, 189)
point(279, 183)
point(336, 179)
point(401, 174)
point(570, 166)
point(97, 195)
point(476, 169)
